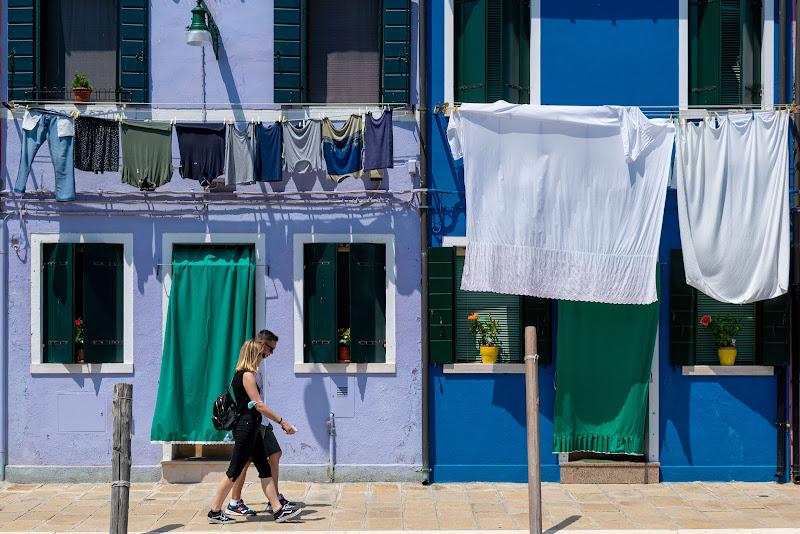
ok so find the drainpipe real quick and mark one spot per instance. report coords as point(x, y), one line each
point(423, 227)
point(3, 347)
point(795, 262)
point(331, 448)
point(783, 68)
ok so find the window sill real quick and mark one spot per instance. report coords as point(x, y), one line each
point(485, 368)
point(728, 370)
point(345, 368)
point(81, 368)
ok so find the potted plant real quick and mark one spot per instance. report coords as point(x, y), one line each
point(78, 340)
point(724, 329)
point(344, 345)
point(487, 330)
point(81, 88)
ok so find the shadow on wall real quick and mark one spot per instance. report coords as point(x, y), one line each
point(317, 405)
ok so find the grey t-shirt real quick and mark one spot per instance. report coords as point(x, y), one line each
point(240, 155)
point(302, 147)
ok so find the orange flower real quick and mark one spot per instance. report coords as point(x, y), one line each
point(473, 317)
point(705, 320)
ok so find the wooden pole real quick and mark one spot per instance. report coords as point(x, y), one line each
point(121, 458)
point(532, 408)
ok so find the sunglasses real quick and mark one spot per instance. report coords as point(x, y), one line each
point(270, 348)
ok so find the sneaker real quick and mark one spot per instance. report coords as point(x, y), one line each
point(240, 509)
point(287, 511)
point(283, 502)
point(219, 518)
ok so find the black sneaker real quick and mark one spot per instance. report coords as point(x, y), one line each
point(240, 509)
point(287, 511)
point(283, 501)
point(219, 517)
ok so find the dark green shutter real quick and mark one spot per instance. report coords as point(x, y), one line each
point(441, 302)
point(730, 52)
point(515, 58)
point(525, 54)
point(22, 49)
point(470, 50)
point(58, 339)
point(134, 79)
point(706, 347)
point(319, 296)
point(704, 52)
point(396, 51)
point(290, 48)
point(102, 303)
point(367, 303)
point(773, 331)
point(682, 316)
point(538, 312)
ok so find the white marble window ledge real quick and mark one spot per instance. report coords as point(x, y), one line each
point(728, 370)
point(485, 368)
point(81, 368)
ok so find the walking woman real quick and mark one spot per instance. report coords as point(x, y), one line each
point(249, 443)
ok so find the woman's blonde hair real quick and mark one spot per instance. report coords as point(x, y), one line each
point(248, 356)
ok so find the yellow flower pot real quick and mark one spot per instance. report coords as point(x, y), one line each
point(489, 354)
point(727, 355)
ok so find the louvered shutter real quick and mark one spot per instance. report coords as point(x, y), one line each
point(102, 303)
point(525, 53)
point(441, 301)
point(730, 52)
point(319, 302)
point(396, 51)
point(471, 50)
point(773, 331)
point(367, 303)
point(58, 320)
point(134, 78)
point(538, 312)
point(682, 314)
point(513, 84)
point(289, 35)
point(22, 49)
point(704, 52)
point(706, 347)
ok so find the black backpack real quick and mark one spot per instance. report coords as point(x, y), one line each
point(224, 411)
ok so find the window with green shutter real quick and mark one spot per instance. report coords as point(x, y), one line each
point(492, 51)
point(725, 52)
point(107, 40)
point(351, 51)
point(83, 303)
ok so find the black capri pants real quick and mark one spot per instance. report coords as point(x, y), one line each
point(248, 444)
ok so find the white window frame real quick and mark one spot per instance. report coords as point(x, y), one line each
point(535, 54)
point(300, 365)
point(767, 55)
point(37, 305)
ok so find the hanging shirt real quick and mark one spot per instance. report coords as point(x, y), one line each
point(202, 148)
point(240, 151)
point(96, 144)
point(733, 206)
point(562, 202)
point(302, 147)
point(378, 143)
point(268, 165)
point(342, 148)
point(146, 154)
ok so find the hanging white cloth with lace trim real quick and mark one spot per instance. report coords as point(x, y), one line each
point(733, 206)
point(562, 202)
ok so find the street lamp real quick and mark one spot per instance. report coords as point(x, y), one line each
point(200, 34)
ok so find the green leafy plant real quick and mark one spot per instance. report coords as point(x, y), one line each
point(80, 81)
point(723, 327)
point(344, 337)
point(79, 331)
point(487, 329)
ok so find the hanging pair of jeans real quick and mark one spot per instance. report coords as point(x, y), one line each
point(59, 131)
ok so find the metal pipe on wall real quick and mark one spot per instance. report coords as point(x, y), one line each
point(3, 347)
point(423, 227)
point(795, 263)
point(783, 68)
point(331, 448)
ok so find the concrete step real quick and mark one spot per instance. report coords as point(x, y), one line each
point(609, 472)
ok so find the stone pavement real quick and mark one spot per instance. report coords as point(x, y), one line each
point(385, 506)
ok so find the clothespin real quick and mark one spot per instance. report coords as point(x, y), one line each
point(444, 108)
point(455, 108)
point(436, 109)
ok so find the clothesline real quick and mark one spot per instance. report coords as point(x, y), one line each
point(694, 112)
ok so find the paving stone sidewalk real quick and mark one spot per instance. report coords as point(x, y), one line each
point(382, 506)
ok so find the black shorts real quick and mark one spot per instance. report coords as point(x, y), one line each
point(270, 442)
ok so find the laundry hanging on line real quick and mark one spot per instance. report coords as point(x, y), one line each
point(202, 150)
point(146, 154)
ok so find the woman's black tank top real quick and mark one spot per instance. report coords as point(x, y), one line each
point(240, 394)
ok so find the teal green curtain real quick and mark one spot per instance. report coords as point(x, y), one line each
point(603, 363)
point(210, 315)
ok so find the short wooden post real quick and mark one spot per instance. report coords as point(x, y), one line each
point(532, 409)
point(121, 458)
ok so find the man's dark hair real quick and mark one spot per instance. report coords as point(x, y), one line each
point(265, 336)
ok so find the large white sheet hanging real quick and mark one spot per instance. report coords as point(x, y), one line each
point(562, 202)
point(733, 206)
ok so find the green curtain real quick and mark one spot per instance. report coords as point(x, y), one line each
point(210, 315)
point(604, 354)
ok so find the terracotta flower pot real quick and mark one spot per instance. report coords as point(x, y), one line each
point(344, 355)
point(727, 355)
point(489, 354)
point(79, 355)
point(82, 94)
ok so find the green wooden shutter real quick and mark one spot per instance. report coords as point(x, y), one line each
point(58, 339)
point(134, 79)
point(704, 52)
point(525, 52)
point(773, 331)
point(290, 48)
point(319, 297)
point(367, 303)
point(471, 50)
point(22, 49)
point(730, 52)
point(706, 347)
point(538, 312)
point(396, 51)
point(441, 302)
point(102, 303)
point(682, 314)
point(511, 87)
point(494, 50)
